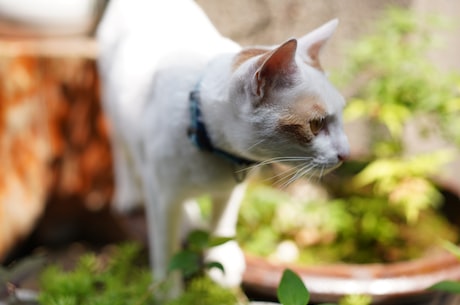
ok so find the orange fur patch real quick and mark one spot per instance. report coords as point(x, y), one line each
point(245, 55)
point(296, 120)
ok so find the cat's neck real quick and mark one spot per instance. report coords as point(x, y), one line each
point(226, 130)
point(199, 135)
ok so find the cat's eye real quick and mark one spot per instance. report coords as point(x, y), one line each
point(316, 125)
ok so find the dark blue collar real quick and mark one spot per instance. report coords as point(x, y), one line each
point(199, 136)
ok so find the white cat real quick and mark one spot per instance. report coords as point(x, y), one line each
point(253, 105)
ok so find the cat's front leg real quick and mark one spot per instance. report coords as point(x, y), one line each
point(163, 222)
point(223, 224)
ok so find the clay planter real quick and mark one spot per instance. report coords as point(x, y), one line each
point(392, 283)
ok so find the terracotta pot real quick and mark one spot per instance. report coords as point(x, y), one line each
point(386, 283)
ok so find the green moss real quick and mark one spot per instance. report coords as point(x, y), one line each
point(203, 291)
point(96, 281)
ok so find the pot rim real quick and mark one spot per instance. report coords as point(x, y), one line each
point(380, 281)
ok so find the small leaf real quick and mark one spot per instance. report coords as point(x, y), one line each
point(198, 240)
point(217, 241)
point(452, 248)
point(186, 261)
point(215, 265)
point(446, 286)
point(291, 290)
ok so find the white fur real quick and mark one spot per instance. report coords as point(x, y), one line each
point(153, 53)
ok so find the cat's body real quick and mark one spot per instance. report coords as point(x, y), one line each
point(260, 104)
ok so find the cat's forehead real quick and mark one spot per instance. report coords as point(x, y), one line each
point(308, 107)
point(317, 104)
point(316, 88)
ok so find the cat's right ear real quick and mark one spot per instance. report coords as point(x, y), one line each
point(311, 45)
point(275, 65)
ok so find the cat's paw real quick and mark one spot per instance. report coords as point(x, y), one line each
point(232, 259)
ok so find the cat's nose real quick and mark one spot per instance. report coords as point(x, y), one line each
point(343, 154)
point(342, 157)
point(343, 149)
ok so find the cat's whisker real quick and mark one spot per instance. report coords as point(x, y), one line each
point(255, 144)
point(289, 175)
point(276, 160)
point(282, 175)
point(300, 172)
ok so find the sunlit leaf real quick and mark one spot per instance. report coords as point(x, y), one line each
point(185, 261)
point(452, 248)
point(198, 240)
point(446, 286)
point(215, 265)
point(291, 290)
point(219, 240)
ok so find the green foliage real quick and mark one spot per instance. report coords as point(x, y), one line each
point(96, 282)
point(292, 290)
point(353, 228)
point(446, 286)
point(397, 84)
point(356, 299)
point(404, 182)
point(118, 278)
point(255, 222)
point(189, 260)
point(201, 290)
point(452, 248)
point(396, 80)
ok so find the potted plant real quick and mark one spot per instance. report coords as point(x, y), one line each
point(373, 226)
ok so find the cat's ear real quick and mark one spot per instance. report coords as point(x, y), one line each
point(276, 65)
point(311, 45)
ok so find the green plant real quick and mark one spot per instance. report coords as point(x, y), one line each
point(189, 259)
point(100, 280)
point(351, 228)
point(200, 289)
point(393, 80)
point(119, 278)
point(292, 291)
point(399, 85)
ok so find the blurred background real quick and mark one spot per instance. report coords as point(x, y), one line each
point(56, 178)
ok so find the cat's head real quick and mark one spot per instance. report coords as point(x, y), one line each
point(291, 111)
